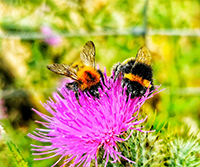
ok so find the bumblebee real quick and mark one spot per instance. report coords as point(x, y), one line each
point(86, 77)
point(137, 73)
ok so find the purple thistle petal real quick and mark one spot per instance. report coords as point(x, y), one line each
point(77, 133)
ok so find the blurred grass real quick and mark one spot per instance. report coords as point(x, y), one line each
point(25, 81)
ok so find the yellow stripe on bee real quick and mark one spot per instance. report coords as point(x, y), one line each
point(136, 78)
point(127, 60)
point(77, 65)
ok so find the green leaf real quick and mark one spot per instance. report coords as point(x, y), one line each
point(20, 162)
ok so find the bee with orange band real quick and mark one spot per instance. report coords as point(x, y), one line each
point(85, 75)
point(137, 73)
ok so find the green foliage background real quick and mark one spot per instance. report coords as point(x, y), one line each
point(25, 80)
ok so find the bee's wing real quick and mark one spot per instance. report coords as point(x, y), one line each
point(63, 69)
point(143, 56)
point(88, 54)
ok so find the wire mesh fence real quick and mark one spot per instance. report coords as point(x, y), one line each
point(136, 31)
point(174, 48)
point(143, 31)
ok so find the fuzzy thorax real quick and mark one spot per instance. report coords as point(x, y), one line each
point(88, 77)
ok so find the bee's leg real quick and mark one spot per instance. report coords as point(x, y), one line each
point(126, 83)
point(123, 84)
point(102, 89)
point(100, 86)
point(69, 86)
point(75, 90)
point(127, 99)
point(117, 69)
point(102, 78)
point(87, 93)
point(151, 89)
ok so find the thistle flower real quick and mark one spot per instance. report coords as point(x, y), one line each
point(51, 37)
point(78, 132)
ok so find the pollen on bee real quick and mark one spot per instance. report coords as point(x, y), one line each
point(88, 76)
